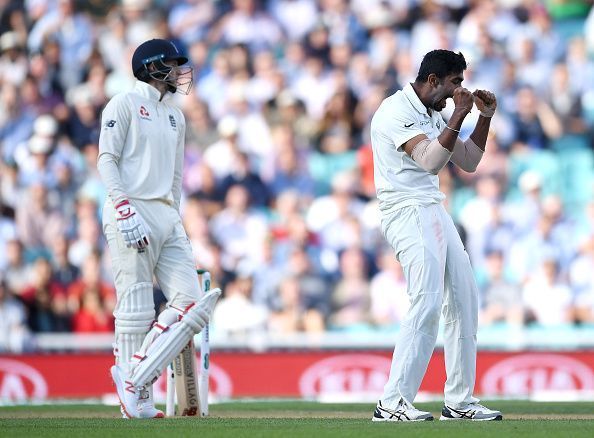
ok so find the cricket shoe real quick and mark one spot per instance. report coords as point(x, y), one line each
point(473, 412)
point(403, 412)
point(134, 402)
point(127, 393)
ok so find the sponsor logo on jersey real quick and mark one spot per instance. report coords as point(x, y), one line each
point(172, 121)
point(409, 125)
point(144, 114)
point(110, 124)
point(438, 125)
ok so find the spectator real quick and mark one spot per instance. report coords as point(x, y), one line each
point(534, 122)
point(14, 333)
point(65, 273)
point(248, 24)
point(289, 169)
point(501, 297)
point(389, 299)
point(46, 301)
point(241, 174)
point(238, 230)
point(293, 315)
point(350, 295)
point(219, 155)
point(547, 299)
point(235, 314)
point(7, 232)
point(17, 272)
point(37, 221)
point(91, 300)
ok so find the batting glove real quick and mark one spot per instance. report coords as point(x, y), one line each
point(134, 229)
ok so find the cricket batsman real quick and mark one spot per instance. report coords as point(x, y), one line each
point(411, 143)
point(141, 150)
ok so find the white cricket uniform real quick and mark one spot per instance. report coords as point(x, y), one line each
point(141, 149)
point(436, 266)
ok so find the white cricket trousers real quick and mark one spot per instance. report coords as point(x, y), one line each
point(169, 255)
point(439, 279)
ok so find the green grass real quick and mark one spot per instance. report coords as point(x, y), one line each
point(290, 419)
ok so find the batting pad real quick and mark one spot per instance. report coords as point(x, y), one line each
point(134, 315)
point(166, 318)
point(172, 340)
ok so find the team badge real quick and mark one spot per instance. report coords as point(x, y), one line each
point(172, 121)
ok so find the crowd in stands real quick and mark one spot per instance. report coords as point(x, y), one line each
point(278, 195)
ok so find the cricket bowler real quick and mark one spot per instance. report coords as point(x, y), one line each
point(411, 143)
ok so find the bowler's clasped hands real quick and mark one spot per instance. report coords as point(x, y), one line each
point(485, 101)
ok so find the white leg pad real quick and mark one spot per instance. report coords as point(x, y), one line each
point(172, 339)
point(134, 315)
point(166, 318)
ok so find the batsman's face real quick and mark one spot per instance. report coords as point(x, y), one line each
point(178, 78)
point(443, 89)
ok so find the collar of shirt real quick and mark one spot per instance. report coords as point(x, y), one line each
point(148, 91)
point(411, 95)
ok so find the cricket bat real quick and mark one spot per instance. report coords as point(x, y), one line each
point(186, 387)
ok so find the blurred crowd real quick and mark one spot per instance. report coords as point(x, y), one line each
point(279, 201)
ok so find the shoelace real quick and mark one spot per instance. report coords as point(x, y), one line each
point(407, 406)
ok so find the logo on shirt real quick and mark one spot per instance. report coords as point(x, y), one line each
point(438, 125)
point(172, 121)
point(110, 124)
point(144, 114)
point(409, 125)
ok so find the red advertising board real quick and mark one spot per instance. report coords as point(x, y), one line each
point(336, 375)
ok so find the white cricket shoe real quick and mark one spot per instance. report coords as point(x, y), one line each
point(134, 402)
point(127, 393)
point(473, 412)
point(403, 412)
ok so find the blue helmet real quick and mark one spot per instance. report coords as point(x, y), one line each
point(155, 50)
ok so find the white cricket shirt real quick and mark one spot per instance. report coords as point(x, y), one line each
point(144, 137)
point(399, 180)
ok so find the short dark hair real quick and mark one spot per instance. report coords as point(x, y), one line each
point(442, 63)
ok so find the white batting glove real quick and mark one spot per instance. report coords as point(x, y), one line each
point(134, 229)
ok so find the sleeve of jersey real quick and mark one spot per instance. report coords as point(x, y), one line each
point(115, 121)
point(176, 189)
point(401, 127)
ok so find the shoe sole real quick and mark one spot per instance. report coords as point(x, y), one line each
point(496, 418)
point(400, 421)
